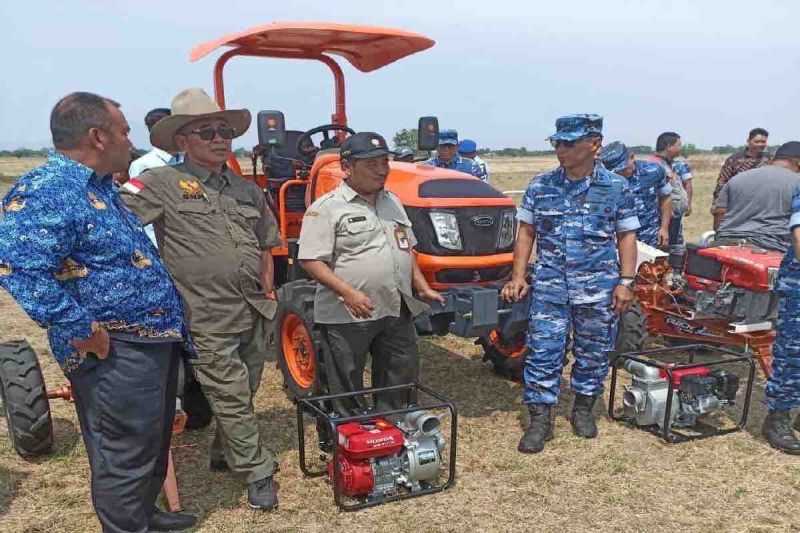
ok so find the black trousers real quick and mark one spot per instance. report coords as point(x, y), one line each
point(126, 405)
point(392, 342)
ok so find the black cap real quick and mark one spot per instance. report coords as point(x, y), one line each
point(790, 150)
point(364, 145)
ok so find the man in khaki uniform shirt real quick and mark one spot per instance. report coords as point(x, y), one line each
point(214, 233)
point(357, 242)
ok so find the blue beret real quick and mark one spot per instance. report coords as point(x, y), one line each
point(467, 146)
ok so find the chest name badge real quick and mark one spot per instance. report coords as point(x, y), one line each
point(191, 190)
point(402, 239)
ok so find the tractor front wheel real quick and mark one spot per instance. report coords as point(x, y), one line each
point(632, 330)
point(297, 354)
point(24, 399)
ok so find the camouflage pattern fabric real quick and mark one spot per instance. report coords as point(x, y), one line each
point(461, 164)
point(576, 225)
point(593, 329)
point(783, 386)
point(71, 254)
point(681, 167)
point(648, 184)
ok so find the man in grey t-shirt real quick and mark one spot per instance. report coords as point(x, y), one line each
point(755, 205)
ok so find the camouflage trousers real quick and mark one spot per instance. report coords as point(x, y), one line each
point(783, 387)
point(648, 235)
point(593, 328)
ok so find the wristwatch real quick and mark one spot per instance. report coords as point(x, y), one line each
point(627, 282)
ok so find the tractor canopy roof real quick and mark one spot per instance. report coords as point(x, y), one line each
point(367, 48)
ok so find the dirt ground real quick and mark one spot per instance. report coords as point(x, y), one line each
point(625, 480)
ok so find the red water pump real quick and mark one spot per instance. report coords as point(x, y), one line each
point(377, 458)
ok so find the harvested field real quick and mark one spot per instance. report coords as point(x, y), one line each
point(626, 480)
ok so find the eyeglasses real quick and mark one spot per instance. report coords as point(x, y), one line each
point(207, 134)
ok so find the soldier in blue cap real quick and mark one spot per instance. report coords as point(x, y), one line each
point(648, 182)
point(583, 220)
point(469, 149)
point(783, 386)
point(447, 155)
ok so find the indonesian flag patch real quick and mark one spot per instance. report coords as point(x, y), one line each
point(133, 186)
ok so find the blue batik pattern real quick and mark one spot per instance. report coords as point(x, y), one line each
point(71, 254)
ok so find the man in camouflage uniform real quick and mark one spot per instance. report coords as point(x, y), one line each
point(469, 149)
point(648, 182)
point(581, 216)
point(214, 233)
point(668, 149)
point(783, 386)
point(447, 155)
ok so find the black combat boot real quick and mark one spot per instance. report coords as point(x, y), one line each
point(539, 430)
point(164, 521)
point(778, 432)
point(582, 418)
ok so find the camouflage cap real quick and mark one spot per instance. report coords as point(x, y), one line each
point(615, 156)
point(448, 137)
point(574, 127)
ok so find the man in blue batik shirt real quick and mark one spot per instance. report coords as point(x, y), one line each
point(78, 262)
point(583, 220)
point(447, 155)
point(648, 182)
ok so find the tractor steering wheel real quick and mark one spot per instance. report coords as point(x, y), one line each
point(306, 147)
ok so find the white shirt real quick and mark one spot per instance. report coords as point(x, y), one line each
point(153, 159)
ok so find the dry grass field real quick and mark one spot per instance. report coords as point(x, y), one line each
point(625, 480)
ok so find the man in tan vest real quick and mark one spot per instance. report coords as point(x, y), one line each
point(214, 233)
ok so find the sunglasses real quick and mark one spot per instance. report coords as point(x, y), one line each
point(207, 134)
point(566, 144)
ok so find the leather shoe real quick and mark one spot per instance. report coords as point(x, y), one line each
point(164, 521)
point(263, 494)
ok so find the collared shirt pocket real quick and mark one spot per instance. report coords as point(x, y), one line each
point(598, 222)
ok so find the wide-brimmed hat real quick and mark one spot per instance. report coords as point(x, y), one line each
point(190, 105)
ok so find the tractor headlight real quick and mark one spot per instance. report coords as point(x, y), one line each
point(446, 227)
point(505, 237)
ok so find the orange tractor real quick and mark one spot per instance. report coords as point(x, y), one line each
point(465, 227)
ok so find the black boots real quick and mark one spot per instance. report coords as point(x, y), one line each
point(539, 430)
point(777, 430)
point(582, 419)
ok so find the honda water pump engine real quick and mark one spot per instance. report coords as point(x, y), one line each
point(379, 459)
point(695, 391)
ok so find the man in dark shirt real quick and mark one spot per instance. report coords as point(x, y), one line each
point(756, 204)
point(754, 156)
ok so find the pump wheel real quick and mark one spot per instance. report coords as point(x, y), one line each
point(632, 330)
point(297, 354)
point(24, 399)
point(506, 355)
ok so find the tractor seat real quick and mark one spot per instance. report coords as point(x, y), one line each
point(280, 159)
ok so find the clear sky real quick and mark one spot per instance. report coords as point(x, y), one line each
point(501, 71)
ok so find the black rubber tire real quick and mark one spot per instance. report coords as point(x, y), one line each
point(24, 397)
point(296, 298)
point(632, 330)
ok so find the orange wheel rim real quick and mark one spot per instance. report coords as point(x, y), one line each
point(298, 350)
point(511, 350)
